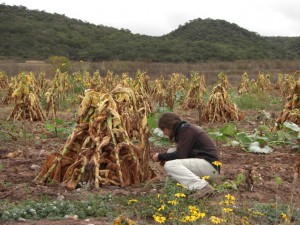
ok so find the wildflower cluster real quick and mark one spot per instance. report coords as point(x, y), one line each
point(229, 200)
point(175, 207)
point(194, 215)
point(227, 210)
point(216, 220)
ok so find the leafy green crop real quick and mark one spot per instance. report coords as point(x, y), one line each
point(262, 138)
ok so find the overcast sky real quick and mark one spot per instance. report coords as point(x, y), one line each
point(158, 17)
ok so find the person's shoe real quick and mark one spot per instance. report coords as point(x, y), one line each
point(205, 192)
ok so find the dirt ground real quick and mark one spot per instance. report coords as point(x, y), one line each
point(18, 173)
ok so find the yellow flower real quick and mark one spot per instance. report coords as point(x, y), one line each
point(180, 185)
point(190, 218)
point(173, 202)
point(159, 219)
point(180, 195)
point(183, 220)
point(205, 177)
point(121, 219)
point(217, 163)
point(230, 198)
point(227, 210)
point(130, 222)
point(216, 220)
point(200, 215)
point(245, 220)
point(161, 208)
point(117, 221)
point(195, 214)
point(258, 213)
point(193, 208)
point(132, 201)
point(284, 216)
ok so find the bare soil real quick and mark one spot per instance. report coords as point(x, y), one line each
point(17, 176)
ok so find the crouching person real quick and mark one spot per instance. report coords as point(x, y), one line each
point(195, 155)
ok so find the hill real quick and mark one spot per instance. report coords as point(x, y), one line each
point(33, 34)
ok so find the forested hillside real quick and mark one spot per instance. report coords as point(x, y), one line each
point(33, 34)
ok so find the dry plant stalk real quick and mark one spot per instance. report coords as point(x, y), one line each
point(11, 87)
point(244, 87)
point(175, 86)
point(27, 104)
point(297, 165)
point(100, 150)
point(3, 80)
point(194, 96)
point(285, 83)
point(220, 108)
point(51, 102)
point(291, 111)
point(158, 92)
point(223, 80)
point(264, 83)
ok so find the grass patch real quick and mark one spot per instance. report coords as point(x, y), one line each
point(15, 130)
point(96, 206)
point(1, 167)
point(258, 101)
point(170, 206)
point(276, 213)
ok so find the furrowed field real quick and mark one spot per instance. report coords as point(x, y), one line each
point(77, 140)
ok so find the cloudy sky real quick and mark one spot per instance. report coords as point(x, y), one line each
point(158, 17)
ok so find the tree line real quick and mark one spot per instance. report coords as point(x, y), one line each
point(34, 34)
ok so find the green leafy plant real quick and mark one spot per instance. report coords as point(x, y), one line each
point(60, 128)
point(273, 213)
point(94, 207)
point(152, 118)
point(223, 187)
point(260, 141)
point(278, 180)
point(157, 137)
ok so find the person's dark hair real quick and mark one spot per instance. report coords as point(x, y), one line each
point(168, 120)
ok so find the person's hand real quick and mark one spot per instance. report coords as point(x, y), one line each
point(155, 157)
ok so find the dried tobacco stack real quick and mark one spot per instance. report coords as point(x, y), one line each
point(291, 111)
point(194, 96)
point(101, 149)
point(220, 108)
point(244, 86)
point(27, 103)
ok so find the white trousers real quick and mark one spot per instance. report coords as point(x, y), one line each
point(188, 172)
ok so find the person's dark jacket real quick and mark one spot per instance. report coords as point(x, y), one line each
point(192, 142)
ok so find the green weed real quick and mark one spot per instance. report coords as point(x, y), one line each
point(96, 206)
point(60, 128)
point(258, 101)
point(1, 167)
